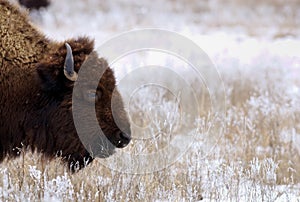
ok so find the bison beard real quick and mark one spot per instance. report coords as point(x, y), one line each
point(36, 83)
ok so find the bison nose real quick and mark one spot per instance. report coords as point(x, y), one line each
point(124, 139)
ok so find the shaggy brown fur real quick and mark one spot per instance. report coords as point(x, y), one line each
point(36, 97)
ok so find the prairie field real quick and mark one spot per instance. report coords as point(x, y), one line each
point(231, 133)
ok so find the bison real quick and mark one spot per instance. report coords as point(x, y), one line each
point(37, 78)
point(34, 4)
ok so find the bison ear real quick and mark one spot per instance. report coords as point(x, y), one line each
point(54, 74)
point(49, 77)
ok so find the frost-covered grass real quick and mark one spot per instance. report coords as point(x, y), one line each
point(250, 153)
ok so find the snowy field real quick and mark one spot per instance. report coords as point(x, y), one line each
point(248, 151)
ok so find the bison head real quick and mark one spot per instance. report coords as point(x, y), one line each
point(57, 74)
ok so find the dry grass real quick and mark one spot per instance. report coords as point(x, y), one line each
point(247, 157)
point(251, 16)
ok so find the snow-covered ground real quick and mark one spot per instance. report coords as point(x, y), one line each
point(255, 46)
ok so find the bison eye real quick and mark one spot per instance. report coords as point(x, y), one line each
point(93, 95)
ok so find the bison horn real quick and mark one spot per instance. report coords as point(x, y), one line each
point(69, 65)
